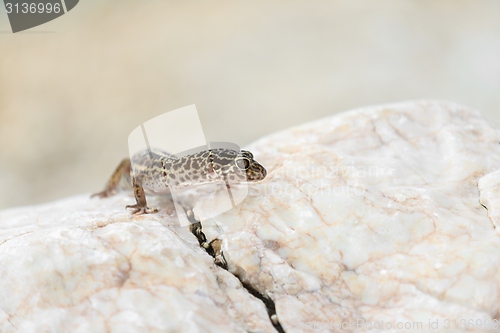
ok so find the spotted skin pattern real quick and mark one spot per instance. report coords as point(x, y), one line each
point(156, 172)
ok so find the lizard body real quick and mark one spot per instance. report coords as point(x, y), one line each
point(156, 172)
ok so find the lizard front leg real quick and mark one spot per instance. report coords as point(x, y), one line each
point(141, 205)
point(123, 170)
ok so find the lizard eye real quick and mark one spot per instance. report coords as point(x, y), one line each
point(242, 163)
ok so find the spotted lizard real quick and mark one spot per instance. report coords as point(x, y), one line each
point(156, 172)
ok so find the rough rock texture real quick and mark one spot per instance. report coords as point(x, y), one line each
point(380, 219)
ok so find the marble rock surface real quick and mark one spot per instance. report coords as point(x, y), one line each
point(381, 219)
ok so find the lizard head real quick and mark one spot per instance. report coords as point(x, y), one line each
point(244, 162)
point(234, 166)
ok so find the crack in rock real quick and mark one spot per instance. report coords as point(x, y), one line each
point(214, 249)
point(489, 189)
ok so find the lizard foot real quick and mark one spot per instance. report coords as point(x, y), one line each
point(215, 250)
point(142, 210)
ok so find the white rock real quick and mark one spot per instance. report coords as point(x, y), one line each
point(372, 220)
point(375, 216)
point(82, 265)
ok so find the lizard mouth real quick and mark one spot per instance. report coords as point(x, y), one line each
point(256, 173)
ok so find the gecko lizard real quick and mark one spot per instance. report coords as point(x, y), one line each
point(156, 172)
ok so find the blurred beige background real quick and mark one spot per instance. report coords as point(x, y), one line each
point(72, 90)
